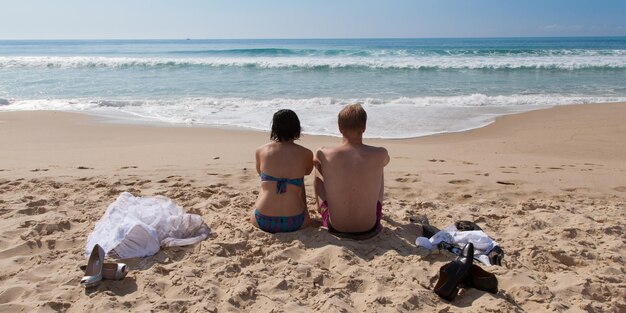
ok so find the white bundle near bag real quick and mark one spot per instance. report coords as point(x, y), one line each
point(138, 226)
point(483, 244)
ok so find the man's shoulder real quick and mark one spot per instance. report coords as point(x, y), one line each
point(374, 149)
point(323, 154)
point(379, 153)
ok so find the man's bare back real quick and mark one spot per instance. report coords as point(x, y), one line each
point(352, 176)
point(349, 182)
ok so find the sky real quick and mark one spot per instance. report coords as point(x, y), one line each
point(241, 19)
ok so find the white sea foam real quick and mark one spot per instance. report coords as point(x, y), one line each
point(388, 118)
point(559, 62)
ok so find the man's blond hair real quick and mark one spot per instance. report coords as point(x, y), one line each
point(352, 117)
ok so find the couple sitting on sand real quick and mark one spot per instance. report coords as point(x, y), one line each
point(348, 178)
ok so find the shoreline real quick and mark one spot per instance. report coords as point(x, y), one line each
point(548, 185)
point(125, 119)
point(421, 121)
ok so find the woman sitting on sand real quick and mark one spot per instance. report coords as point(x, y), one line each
point(282, 164)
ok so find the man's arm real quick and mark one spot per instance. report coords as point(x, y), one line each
point(318, 183)
point(381, 194)
point(387, 158)
point(319, 155)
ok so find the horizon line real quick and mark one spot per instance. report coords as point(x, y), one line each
point(315, 38)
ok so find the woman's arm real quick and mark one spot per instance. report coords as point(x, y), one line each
point(309, 162)
point(308, 170)
point(257, 155)
point(304, 196)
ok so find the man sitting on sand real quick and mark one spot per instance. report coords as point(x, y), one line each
point(349, 178)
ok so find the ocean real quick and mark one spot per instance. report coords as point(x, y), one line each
point(409, 87)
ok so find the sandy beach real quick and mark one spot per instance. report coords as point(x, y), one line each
point(548, 185)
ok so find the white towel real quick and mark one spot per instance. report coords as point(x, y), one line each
point(138, 226)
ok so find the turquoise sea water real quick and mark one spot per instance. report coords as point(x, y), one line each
point(409, 87)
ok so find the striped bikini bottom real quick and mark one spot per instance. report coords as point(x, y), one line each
point(279, 224)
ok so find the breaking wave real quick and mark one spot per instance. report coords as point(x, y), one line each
point(562, 62)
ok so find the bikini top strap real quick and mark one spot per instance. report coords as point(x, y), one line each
point(281, 183)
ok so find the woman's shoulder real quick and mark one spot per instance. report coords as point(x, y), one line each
point(304, 150)
point(265, 147)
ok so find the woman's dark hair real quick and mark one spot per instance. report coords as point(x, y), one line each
point(285, 126)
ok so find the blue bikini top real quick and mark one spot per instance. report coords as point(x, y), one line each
point(281, 183)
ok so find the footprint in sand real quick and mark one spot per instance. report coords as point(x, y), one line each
point(57, 306)
point(33, 211)
point(158, 269)
point(34, 207)
point(564, 258)
point(115, 192)
point(100, 184)
point(55, 184)
point(620, 188)
point(407, 178)
point(39, 170)
point(459, 181)
point(127, 167)
point(43, 229)
point(84, 168)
